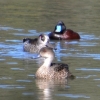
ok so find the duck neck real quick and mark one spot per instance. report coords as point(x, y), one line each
point(47, 62)
point(41, 44)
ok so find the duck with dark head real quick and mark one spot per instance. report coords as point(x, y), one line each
point(62, 33)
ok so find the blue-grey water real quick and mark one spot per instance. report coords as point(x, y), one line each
point(29, 18)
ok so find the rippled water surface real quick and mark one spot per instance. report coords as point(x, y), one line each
point(29, 18)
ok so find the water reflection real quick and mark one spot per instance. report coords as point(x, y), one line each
point(48, 87)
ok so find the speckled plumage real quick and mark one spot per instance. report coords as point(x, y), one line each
point(52, 70)
point(34, 45)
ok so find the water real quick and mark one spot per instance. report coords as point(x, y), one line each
point(22, 18)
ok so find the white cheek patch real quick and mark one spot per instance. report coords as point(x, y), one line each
point(58, 28)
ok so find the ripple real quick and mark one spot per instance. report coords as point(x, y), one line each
point(16, 50)
point(27, 93)
point(4, 28)
point(2, 59)
point(98, 85)
point(87, 76)
point(5, 78)
point(72, 42)
point(85, 55)
point(73, 95)
point(11, 86)
point(96, 79)
point(32, 31)
point(13, 40)
point(31, 75)
point(67, 86)
point(82, 55)
point(2, 45)
point(89, 69)
point(98, 58)
point(23, 81)
point(88, 37)
point(88, 44)
point(24, 34)
point(11, 63)
point(17, 69)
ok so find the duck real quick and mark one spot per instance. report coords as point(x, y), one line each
point(62, 33)
point(49, 70)
point(34, 45)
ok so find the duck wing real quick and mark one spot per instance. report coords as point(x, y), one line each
point(62, 68)
point(30, 41)
point(59, 66)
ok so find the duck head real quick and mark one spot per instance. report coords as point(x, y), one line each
point(60, 27)
point(44, 40)
point(47, 53)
